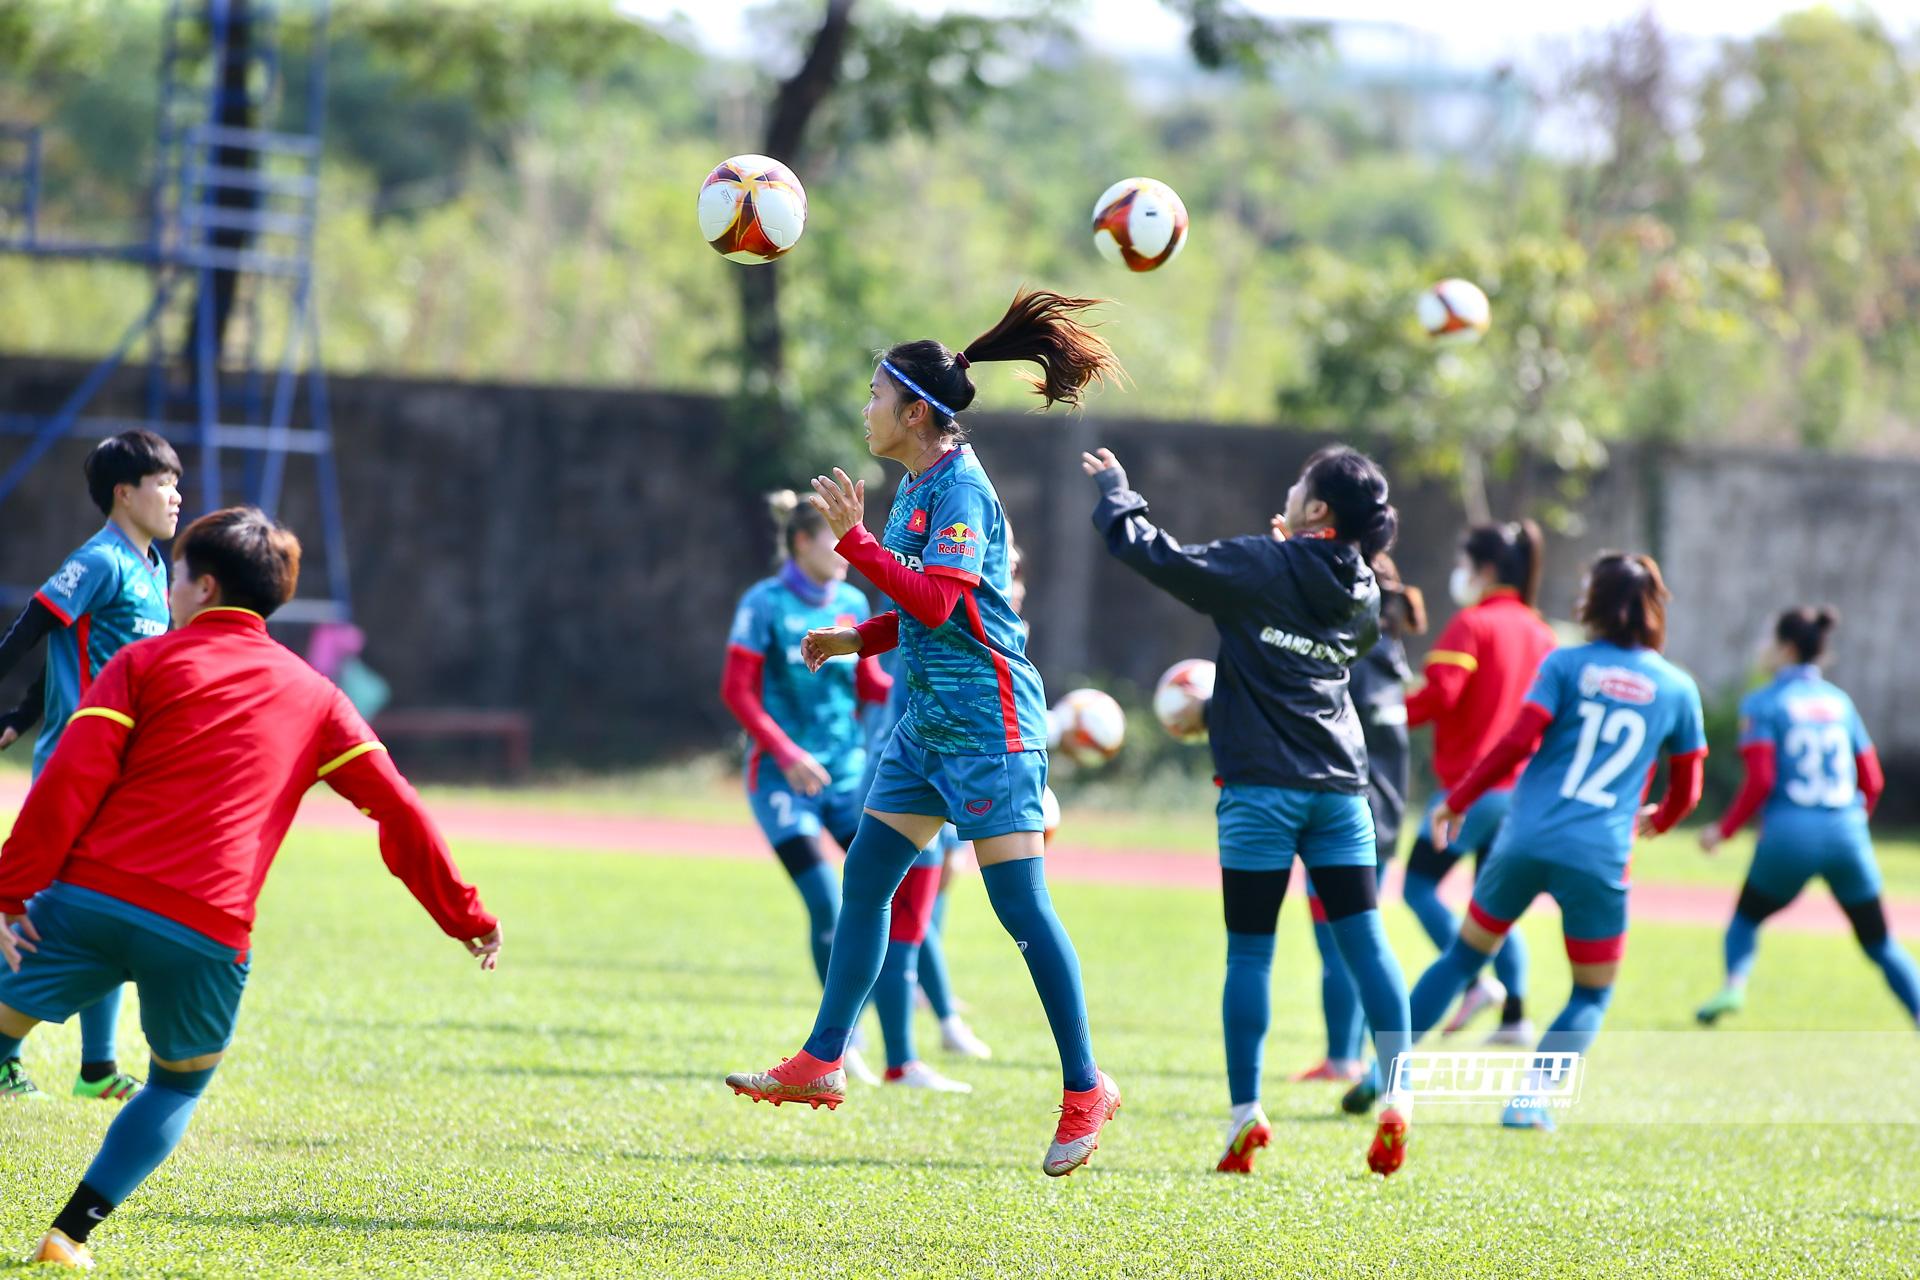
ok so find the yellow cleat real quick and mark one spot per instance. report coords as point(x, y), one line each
point(58, 1249)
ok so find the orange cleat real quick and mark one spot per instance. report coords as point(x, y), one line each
point(1077, 1136)
point(1331, 1072)
point(1243, 1141)
point(1389, 1149)
point(794, 1081)
point(59, 1249)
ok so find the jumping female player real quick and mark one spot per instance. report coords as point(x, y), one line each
point(1812, 823)
point(1294, 614)
point(971, 747)
point(1596, 722)
point(1378, 686)
point(806, 755)
point(1478, 671)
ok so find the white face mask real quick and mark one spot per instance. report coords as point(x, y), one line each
point(1460, 587)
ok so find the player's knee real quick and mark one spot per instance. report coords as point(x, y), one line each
point(1252, 900)
point(1756, 906)
point(1425, 866)
point(798, 854)
point(15, 1024)
point(1481, 937)
point(1869, 920)
point(186, 1075)
point(1345, 891)
point(1589, 978)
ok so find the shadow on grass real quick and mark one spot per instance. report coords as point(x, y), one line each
point(518, 1030)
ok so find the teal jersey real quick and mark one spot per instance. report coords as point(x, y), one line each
point(1816, 733)
point(970, 688)
point(820, 710)
point(107, 595)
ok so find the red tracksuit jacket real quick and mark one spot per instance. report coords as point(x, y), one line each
point(179, 775)
point(1478, 672)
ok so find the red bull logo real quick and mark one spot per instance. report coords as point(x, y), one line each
point(957, 540)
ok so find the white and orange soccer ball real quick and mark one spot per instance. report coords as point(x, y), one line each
point(1088, 726)
point(1140, 223)
point(1180, 699)
point(752, 209)
point(1455, 312)
point(1050, 815)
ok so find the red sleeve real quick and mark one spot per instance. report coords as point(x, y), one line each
point(1450, 664)
point(1517, 745)
point(929, 597)
point(82, 769)
point(410, 844)
point(740, 685)
point(871, 683)
point(1762, 770)
point(1873, 780)
point(879, 633)
point(1685, 778)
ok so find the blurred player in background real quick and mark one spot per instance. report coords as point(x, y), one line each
point(109, 593)
point(1588, 736)
point(1478, 671)
point(1813, 811)
point(1294, 611)
point(972, 746)
point(1377, 684)
point(119, 864)
point(806, 755)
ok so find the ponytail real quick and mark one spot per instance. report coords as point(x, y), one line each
point(1806, 630)
point(1626, 601)
point(1355, 491)
point(1040, 326)
point(1404, 608)
point(1517, 551)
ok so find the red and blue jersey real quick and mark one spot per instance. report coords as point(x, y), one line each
point(1816, 734)
point(106, 596)
point(1613, 713)
point(970, 688)
point(819, 712)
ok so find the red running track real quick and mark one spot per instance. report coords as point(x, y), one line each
point(661, 837)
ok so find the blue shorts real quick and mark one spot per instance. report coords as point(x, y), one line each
point(983, 796)
point(1793, 851)
point(90, 944)
point(1265, 828)
point(784, 814)
point(1481, 822)
point(1593, 908)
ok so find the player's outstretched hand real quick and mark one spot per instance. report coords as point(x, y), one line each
point(8, 736)
point(16, 936)
point(1644, 823)
point(806, 775)
point(487, 948)
point(1277, 528)
point(1710, 838)
point(1105, 469)
point(1446, 825)
point(841, 500)
point(828, 642)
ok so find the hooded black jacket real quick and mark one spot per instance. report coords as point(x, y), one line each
point(1293, 617)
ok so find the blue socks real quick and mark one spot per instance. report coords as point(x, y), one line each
point(1743, 939)
point(100, 1026)
point(1362, 940)
point(1442, 984)
point(1018, 891)
point(893, 1001)
point(1510, 965)
point(1894, 962)
point(820, 890)
point(1339, 998)
point(1423, 899)
point(146, 1131)
point(875, 866)
point(10, 1047)
point(1244, 1011)
point(933, 963)
point(1573, 1031)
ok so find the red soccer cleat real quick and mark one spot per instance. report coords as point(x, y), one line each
point(1077, 1136)
point(804, 1078)
point(1251, 1135)
point(1331, 1072)
point(1389, 1149)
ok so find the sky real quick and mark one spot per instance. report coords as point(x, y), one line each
point(1464, 31)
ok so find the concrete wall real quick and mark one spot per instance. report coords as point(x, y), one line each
point(570, 552)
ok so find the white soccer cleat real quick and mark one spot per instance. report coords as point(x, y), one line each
point(1513, 1035)
point(857, 1069)
point(918, 1075)
point(1484, 993)
point(1077, 1136)
point(956, 1037)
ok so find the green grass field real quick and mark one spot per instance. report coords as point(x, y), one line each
point(388, 1109)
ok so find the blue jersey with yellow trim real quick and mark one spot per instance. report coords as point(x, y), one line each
point(107, 595)
point(1615, 712)
point(1816, 732)
point(819, 711)
point(970, 688)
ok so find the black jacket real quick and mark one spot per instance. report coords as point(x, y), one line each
point(1293, 617)
point(1379, 691)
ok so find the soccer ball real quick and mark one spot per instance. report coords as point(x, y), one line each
point(1180, 699)
point(1140, 223)
point(1088, 726)
point(1050, 815)
point(1455, 312)
point(752, 209)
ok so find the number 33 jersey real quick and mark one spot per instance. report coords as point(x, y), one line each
point(1615, 712)
point(1816, 734)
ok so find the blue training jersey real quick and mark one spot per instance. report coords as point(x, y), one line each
point(1615, 713)
point(1816, 733)
point(819, 711)
point(970, 688)
point(106, 595)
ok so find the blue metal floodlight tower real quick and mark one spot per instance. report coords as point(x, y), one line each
point(229, 246)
